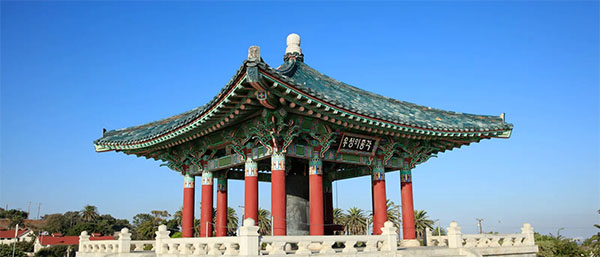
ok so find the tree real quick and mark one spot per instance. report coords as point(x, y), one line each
point(178, 216)
point(592, 244)
point(441, 230)
point(14, 216)
point(89, 213)
point(145, 225)
point(232, 221)
point(264, 222)
point(356, 222)
point(422, 221)
point(557, 246)
point(7, 249)
point(393, 212)
point(339, 218)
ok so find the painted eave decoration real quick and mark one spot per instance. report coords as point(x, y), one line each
point(296, 85)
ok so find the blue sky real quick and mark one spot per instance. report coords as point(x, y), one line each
point(69, 69)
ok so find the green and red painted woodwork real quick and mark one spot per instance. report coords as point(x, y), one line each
point(206, 209)
point(222, 205)
point(379, 197)
point(408, 211)
point(315, 180)
point(187, 219)
point(278, 197)
point(250, 188)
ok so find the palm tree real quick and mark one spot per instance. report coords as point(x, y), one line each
point(339, 218)
point(232, 221)
point(89, 213)
point(422, 221)
point(264, 222)
point(356, 222)
point(178, 216)
point(393, 212)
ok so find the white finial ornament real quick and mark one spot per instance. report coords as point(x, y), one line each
point(293, 44)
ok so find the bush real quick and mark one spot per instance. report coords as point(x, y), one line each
point(7, 249)
point(57, 251)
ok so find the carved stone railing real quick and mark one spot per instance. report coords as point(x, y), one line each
point(431, 240)
point(249, 243)
point(194, 245)
point(142, 245)
point(308, 245)
point(99, 246)
point(456, 239)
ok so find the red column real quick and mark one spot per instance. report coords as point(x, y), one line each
point(251, 189)
point(315, 180)
point(206, 209)
point(278, 194)
point(222, 206)
point(408, 211)
point(379, 198)
point(187, 219)
point(328, 207)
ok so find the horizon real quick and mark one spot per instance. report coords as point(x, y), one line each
point(70, 69)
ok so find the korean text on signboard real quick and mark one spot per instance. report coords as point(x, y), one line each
point(358, 144)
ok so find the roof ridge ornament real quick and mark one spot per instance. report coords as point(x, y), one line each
point(254, 54)
point(293, 50)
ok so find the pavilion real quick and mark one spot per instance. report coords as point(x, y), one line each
point(300, 130)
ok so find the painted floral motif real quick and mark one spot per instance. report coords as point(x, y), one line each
point(251, 168)
point(405, 176)
point(315, 166)
point(188, 182)
point(278, 161)
point(207, 178)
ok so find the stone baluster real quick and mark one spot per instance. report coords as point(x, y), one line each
point(349, 246)
point(162, 238)
point(230, 249)
point(303, 247)
point(527, 231)
point(371, 246)
point(455, 239)
point(277, 248)
point(249, 244)
point(84, 239)
point(391, 238)
point(326, 247)
point(124, 242)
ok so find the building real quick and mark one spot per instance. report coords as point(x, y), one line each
point(23, 235)
point(300, 130)
point(58, 239)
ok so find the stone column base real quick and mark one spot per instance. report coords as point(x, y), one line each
point(410, 243)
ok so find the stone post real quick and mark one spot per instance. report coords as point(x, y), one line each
point(454, 236)
point(161, 240)
point(527, 230)
point(249, 244)
point(391, 238)
point(427, 241)
point(83, 239)
point(124, 241)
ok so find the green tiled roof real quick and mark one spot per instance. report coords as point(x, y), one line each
point(309, 81)
point(377, 106)
point(153, 130)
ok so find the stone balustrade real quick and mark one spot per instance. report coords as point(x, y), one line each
point(249, 243)
point(307, 245)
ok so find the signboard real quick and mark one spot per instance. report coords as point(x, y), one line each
point(358, 144)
